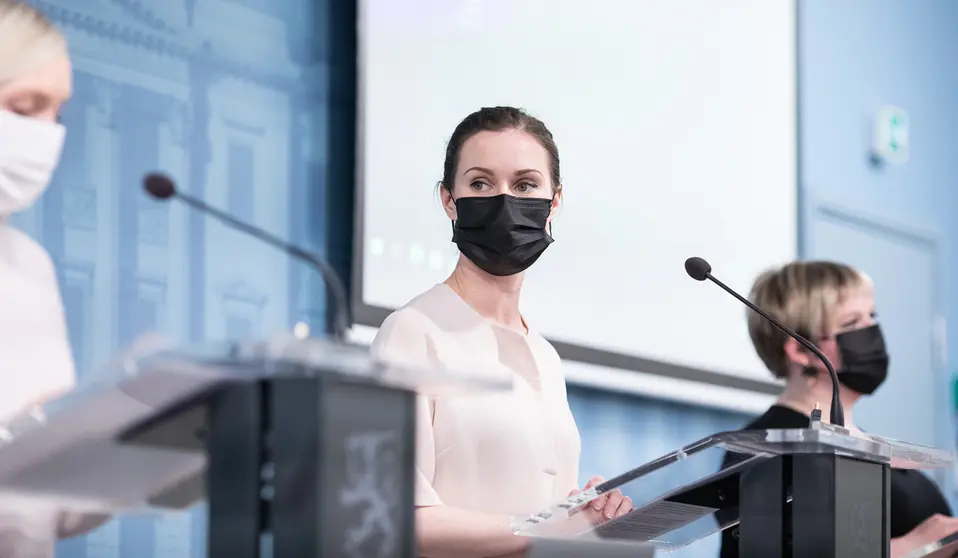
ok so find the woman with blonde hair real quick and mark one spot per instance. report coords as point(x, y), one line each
point(833, 305)
point(35, 82)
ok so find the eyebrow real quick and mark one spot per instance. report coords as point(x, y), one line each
point(519, 172)
point(854, 316)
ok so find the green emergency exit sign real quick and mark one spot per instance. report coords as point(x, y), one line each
point(891, 135)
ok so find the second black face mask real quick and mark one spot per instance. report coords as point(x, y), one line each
point(864, 359)
point(502, 235)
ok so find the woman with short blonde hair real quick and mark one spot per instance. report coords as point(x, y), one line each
point(833, 305)
point(35, 356)
point(804, 296)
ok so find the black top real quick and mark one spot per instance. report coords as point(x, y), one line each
point(914, 497)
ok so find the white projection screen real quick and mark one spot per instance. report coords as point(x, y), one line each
point(676, 125)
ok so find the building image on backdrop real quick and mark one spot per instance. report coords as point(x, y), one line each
point(227, 106)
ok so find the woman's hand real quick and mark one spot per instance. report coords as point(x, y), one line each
point(612, 504)
point(928, 531)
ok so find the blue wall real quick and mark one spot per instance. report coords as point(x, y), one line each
point(239, 101)
point(855, 57)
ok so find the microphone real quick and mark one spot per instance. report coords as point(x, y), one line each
point(700, 270)
point(161, 187)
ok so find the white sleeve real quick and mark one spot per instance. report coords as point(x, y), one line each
point(402, 338)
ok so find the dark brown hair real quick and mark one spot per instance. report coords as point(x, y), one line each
point(497, 119)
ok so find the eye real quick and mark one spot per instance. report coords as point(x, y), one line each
point(850, 324)
point(478, 185)
point(25, 105)
point(857, 322)
point(20, 111)
point(525, 187)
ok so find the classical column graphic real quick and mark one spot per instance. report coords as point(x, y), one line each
point(102, 152)
point(300, 179)
point(174, 158)
point(202, 69)
point(138, 134)
point(70, 222)
point(137, 154)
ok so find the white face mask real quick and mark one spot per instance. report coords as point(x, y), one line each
point(29, 153)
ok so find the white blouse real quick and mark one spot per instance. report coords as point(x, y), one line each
point(37, 365)
point(499, 453)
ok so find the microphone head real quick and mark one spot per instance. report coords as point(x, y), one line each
point(697, 268)
point(159, 186)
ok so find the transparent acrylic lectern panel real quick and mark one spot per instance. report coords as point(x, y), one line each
point(285, 355)
point(685, 496)
point(70, 450)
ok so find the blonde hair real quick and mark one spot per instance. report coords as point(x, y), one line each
point(27, 38)
point(803, 296)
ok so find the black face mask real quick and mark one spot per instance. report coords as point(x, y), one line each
point(864, 359)
point(503, 235)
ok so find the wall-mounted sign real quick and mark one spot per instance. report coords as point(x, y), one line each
point(890, 135)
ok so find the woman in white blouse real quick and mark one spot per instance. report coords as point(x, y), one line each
point(35, 82)
point(482, 459)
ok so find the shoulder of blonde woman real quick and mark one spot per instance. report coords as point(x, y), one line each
point(33, 263)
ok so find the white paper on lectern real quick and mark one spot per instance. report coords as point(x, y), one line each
point(653, 521)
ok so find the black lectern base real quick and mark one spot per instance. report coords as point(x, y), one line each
point(305, 467)
point(838, 509)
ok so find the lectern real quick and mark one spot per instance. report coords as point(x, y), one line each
point(303, 447)
point(816, 492)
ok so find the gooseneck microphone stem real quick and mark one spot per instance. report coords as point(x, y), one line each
point(836, 412)
point(700, 270)
point(161, 188)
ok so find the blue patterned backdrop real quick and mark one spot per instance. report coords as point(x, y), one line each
point(231, 98)
point(248, 104)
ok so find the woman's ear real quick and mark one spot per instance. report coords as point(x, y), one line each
point(796, 353)
point(448, 203)
point(556, 201)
